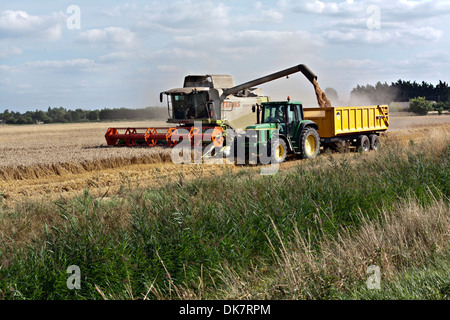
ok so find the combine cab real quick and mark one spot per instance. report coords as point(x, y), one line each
point(212, 100)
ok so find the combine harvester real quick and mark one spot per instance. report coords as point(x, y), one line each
point(281, 127)
point(213, 100)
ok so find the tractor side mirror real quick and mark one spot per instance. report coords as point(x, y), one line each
point(161, 97)
point(253, 108)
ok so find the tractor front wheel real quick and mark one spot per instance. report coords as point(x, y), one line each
point(309, 143)
point(277, 150)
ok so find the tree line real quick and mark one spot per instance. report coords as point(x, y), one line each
point(436, 97)
point(401, 91)
point(63, 115)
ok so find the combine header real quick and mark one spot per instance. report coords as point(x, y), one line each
point(212, 100)
point(163, 136)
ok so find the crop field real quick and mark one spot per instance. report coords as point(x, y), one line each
point(142, 227)
point(60, 160)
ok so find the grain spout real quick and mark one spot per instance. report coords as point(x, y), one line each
point(322, 99)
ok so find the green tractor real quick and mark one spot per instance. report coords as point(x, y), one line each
point(281, 129)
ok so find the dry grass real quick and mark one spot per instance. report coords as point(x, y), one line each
point(101, 160)
point(405, 238)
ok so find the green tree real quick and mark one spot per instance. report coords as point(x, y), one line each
point(420, 106)
point(93, 115)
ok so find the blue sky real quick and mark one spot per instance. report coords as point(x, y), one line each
point(125, 52)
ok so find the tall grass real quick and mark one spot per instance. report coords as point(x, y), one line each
point(408, 237)
point(237, 235)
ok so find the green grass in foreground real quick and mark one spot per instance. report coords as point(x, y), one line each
point(413, 284)
point(204, 238)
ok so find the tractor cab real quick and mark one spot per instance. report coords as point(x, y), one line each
point(282, 128)
point(287, 114)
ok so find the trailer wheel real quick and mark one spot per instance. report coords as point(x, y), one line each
point(277, 150)
point(374, 142)
point(309, 143)
point(363, 143)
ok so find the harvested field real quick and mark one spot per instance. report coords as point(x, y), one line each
point(60, 160)
point(404, 120)
point(53, 144)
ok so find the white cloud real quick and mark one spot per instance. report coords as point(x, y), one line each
point(9, 50)
point(184, 16)
point(82, 84)
point(336, 35)
point(72, 65)
point(427, 60)
point(402, 36)
point(262, 13)
point(357, 64)
point(422, 33)
point(408, 9)
point(111, 36)
point(400, 22)
point(414, 10)
point(20, 24)
point(255, 45)
point(120, 10)
point(343, 8)
point(118, 56)
point(24, 86)
point(168, 68)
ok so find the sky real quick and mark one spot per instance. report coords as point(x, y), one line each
point(111, 54)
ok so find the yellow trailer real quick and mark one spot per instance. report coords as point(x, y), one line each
point(340, 121)
point(285, 127)
point(359, 126)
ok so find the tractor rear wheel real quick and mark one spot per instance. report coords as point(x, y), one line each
point(309, 143)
